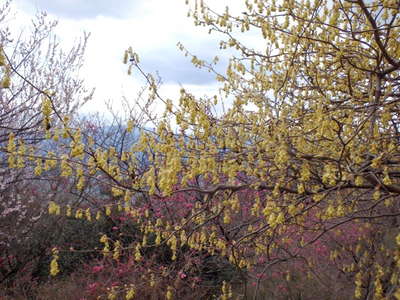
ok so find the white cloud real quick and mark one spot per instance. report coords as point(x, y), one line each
point(80, 9)
point(153, 29)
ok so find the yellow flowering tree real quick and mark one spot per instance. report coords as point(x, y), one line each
point(295, 182)
point(306, 153)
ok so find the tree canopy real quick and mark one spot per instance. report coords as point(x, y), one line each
point(299, 171)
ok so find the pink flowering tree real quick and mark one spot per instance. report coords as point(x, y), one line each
point(31, 65)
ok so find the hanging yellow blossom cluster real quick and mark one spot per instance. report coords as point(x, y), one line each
point(54, 269)
point(5, 80)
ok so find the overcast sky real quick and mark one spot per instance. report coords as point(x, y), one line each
point(151, 27)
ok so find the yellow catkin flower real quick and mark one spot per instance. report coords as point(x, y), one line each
point(54, 269)
point(358, 282)
point(280, 218)
point(124, 156)
point(152, 282)
point(106, 249)
point(79, 214)
point(6, 82)
point(81, 183)
point(227, 218)
point(54, 209)
point(117, 250)
point(159, 222)
point(112, 295)
point(2, 58)
point(129, 126)
point(376, 195)
point(226, 291)
point(138, 255)
point(66, 170)
point(127, 197)
point(242, 263)
point(272, 219)
point(144, 241)
point(359, 181)
point(130, 294)
point(158, 238)
point(46, 106)
point(169, 295)
point(11, 147)
point(69, 211)
point(38, 168)
point(103, 239)
point(300, 188)
point(108, 210)
point(88, 214)
point(11, 162)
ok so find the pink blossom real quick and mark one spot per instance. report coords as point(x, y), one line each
point(97, 269)
point(92, 286)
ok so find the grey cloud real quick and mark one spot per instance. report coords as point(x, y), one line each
point(174, 67)
point(79, 9)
